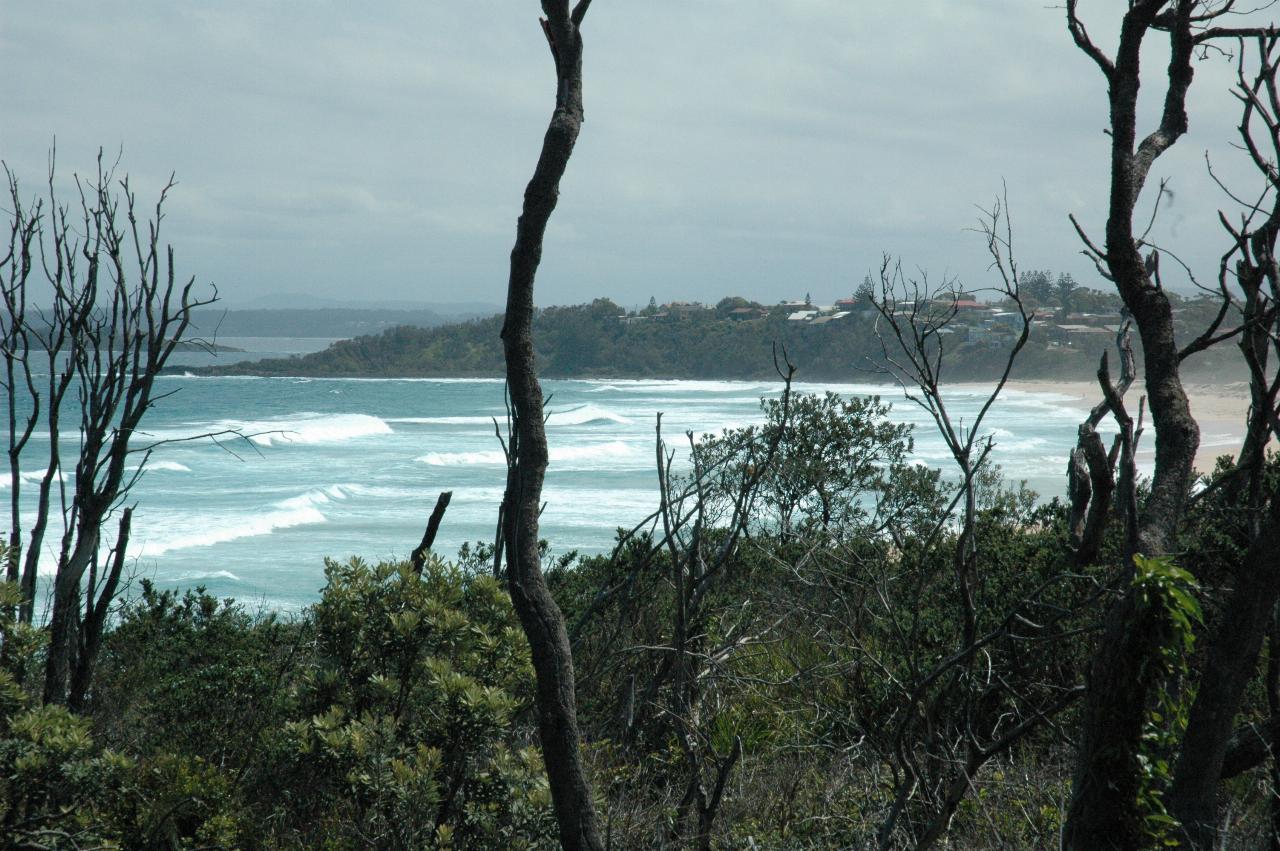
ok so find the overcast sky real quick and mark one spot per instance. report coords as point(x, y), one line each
point(731, 147)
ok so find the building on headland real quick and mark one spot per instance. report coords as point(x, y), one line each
point(684, 309)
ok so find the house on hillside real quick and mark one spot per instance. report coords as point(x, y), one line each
point(742, 314)
point(1080, 334)
point(826, 319)
point(961, 305)
point(684, 309)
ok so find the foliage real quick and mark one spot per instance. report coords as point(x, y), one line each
point(392, 714)
point(415, 684)
point(837, 461)
point(1166, 596)
point(396, 712)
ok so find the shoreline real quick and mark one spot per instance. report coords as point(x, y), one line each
point(1219, 410)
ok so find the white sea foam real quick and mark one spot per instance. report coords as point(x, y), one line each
point(580, 415)
point(30, 477)
point(306, 427)
point(585, 415)
point(163, 466)
point(194, 532)
point(462, 459)
point(459, 420)
point(199, 576)
point(612, 450)
point(302, 428)
point(684, 386)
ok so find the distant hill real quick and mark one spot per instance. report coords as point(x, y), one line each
point(335, 322)
point(306, 301)
point(595, 341)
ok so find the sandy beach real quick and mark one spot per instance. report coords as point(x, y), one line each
point(1220, 410)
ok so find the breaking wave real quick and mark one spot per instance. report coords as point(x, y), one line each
point(310, 428)
point(594, 452)
point(586, 415)
point(29, 477)
point(301, 510)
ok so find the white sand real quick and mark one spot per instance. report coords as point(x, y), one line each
point(1220, 410)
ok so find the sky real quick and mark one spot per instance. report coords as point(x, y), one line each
point(762, 148)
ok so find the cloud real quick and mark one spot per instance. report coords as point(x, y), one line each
point(730, 146)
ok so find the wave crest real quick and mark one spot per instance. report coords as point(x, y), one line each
point(593, 452)
point(301, 510)
point(310, 428)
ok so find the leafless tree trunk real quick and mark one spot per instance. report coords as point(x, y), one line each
point(539, 615)
point(117, 315)
point(1236, 642)
point(947, 729)
point(700, 525)
point(1092, 472)
point(1104, 811)
point(418, 558)
point(15, 347)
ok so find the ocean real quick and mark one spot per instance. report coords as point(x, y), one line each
point(342, 467)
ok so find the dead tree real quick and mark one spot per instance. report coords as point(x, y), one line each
point(34, 335)
point(15, 347)
point(118, 313)
point(679, 639)
point(1105, 810)
point(539, 615)
point(954, 715)
point(1092, 471)
point(699, 555)
point(1247, 617)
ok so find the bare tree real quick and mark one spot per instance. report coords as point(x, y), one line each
point(539, 615)
point(1105, 811)
point(1248, 612)
point(117, 314)
point(686, 552)
point(699, 555)
point(1094, 474)
point(954, 714)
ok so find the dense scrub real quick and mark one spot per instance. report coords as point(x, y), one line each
point(795, 675)
point(391, 715)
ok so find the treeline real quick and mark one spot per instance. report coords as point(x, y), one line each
point(308, 322)
point(590, 341)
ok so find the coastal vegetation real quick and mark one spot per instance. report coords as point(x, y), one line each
point(603, 340)
point(811, 641)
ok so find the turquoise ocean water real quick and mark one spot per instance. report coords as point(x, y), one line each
point(346, 467)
